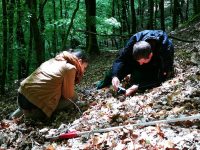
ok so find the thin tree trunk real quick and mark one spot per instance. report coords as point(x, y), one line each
point(42, 21)
point(114, 42)
point(175, 14)
point(196, 7)
point(150, 13)
point(123, 12)
point(133, 17)
point(156, 13)
point(5, 47)
point(30, 49)
point(32, 4)
point(179, 10)
point(10, 40)
point(187, 10)
point(127, 14)
point(71, 24)
point(54, 36)
point(171, 7)
point(120, 20)
point(20, 42)
point(61, 7)
point(92, 45)
point(162, 15)
point(141, 5)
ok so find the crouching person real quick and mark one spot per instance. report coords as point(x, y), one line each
point(51, 86)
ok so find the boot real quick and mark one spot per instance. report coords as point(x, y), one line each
point(16, 114)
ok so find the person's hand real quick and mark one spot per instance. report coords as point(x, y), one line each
point(130, 91)
point(115, 83)
point(127, 78)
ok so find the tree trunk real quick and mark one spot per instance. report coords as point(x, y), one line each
point(179, 10)
point(196, 7)
point(42, 21)
point(10, 40)
point(123, 12)
point(114, 42)
point(54, 36)
point(5, 47)
point(133, 17)
point(162, 15)
point(175, 14)
point(32, 4)
point(150, 13)
point(30, 49)
point(120, 20)
point(20, 42)
point(71, 24)
point(92, 45)
point(61, 7)
point(171, 6)
point(127, 14)
point(156, 13)
point(187, 10)
point(141, 5)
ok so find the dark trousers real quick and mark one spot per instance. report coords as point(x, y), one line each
point(24, 103)
point(33, 112)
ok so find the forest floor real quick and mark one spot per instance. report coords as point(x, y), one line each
point(99, 109)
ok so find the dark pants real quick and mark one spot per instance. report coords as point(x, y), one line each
point(24, 103)
point(31, 111)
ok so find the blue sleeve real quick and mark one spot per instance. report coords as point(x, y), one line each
point(167, 53)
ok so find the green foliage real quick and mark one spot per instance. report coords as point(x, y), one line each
point(194, 19)
point(56, 24)
point(113, 22)
point(106, 25)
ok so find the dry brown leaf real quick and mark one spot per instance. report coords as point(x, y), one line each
point(159, 132)
point(4, 125)
point(50, 147)
point(177, 110)
point(169, 145)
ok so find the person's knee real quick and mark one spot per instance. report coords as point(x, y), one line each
point(34, 114)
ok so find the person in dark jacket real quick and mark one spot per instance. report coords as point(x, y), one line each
point(148, 60)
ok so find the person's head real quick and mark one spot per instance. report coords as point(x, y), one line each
point(142, 52)
point(82, 57)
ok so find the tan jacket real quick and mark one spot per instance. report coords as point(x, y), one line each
point(46, 85)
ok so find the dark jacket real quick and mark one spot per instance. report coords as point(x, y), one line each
point(162, 60)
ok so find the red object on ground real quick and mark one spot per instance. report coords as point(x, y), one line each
point(68, 135)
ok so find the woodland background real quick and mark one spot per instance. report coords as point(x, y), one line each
point(35, 30)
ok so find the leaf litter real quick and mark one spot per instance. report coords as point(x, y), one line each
point(99, 109)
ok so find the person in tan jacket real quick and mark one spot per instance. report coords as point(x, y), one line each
point(51, 86)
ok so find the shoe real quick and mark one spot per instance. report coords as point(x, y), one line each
point(100, 85)
point(16, 114)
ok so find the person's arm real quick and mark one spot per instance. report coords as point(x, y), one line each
point(130, 91)
point(169, 60)
point(167, 54)
point(68, 83)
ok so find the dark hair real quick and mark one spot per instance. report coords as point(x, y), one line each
point(141, 49)
point(80, 54)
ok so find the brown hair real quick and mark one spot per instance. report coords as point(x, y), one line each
point(141, 49)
